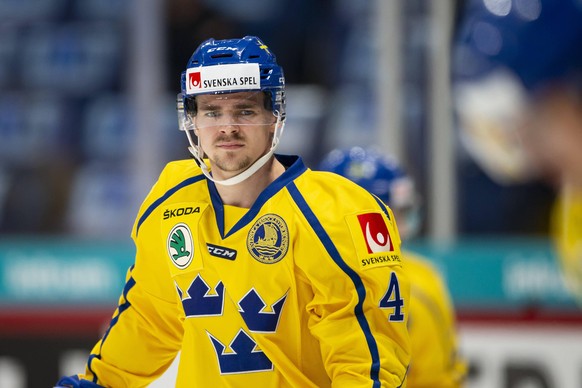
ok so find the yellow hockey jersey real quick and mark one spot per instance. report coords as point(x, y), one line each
point(304, 289)
point(432, 326)
point(567, 237)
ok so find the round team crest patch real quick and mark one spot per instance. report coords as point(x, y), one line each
point(180, 246)
point(268, 239)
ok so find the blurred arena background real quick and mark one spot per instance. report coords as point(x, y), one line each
point(87, 121)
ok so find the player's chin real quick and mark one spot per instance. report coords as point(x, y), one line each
point(231, 163)
point(230, 154)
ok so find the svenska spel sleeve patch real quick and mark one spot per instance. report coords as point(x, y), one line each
point(372, 236)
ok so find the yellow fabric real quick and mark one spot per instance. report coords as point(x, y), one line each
point(299, 305)
point(567, 234)
point(435, 361)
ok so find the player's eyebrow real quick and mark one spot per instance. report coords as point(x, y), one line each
point(208, 106)
point(246, 105)
point(240, 105)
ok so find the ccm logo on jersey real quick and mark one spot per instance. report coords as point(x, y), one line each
point(222, 252)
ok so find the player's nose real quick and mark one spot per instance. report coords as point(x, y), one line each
point(229, 127)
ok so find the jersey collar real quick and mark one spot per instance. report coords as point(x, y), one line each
point(294, 167)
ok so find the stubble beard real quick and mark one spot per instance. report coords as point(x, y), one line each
point(229, 162)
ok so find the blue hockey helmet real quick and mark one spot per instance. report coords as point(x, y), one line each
point(235, 65)
point(382, 176)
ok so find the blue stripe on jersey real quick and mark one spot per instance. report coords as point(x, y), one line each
point(382, 206)
point(296, 168)
point(168, 194)
point(121, 308)
point(218, 207)
point(336, 257)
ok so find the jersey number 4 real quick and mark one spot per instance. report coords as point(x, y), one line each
point(393, 300)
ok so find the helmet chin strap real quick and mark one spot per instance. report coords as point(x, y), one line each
point(196, 151)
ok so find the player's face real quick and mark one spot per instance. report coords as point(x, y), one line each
point(234, 130)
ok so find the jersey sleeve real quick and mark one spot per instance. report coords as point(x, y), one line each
point(436, 361)
point(359, 310)
point(566, 229)
point(145, 332)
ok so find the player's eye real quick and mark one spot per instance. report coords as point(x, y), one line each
point(211, 113)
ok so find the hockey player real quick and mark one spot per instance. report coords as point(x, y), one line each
point(518, 82)
point(435, 359)
point(261, 272)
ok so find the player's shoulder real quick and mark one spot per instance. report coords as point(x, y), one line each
point(174, 175)
point(325, 185)
point(422, 269)
point(332, 197)
point(177, 172)
point(179, 169)
point(419, 262)
point(336, 195)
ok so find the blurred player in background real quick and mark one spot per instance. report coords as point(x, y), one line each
point(518, 84)
point(261, 272)
point(435, 360)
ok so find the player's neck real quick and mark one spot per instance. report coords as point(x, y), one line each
point(244, 194)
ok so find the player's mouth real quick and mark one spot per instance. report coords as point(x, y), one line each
point(229, 146)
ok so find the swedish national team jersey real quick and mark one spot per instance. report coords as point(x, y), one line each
point(304, 289)
point(435, 361)
point(567, 236)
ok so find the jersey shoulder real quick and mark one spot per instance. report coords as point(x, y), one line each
point(422, 269)
point(176, 175)
point(332, 188)
point(179, 170)
point(332, 197)
point(341, 206)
